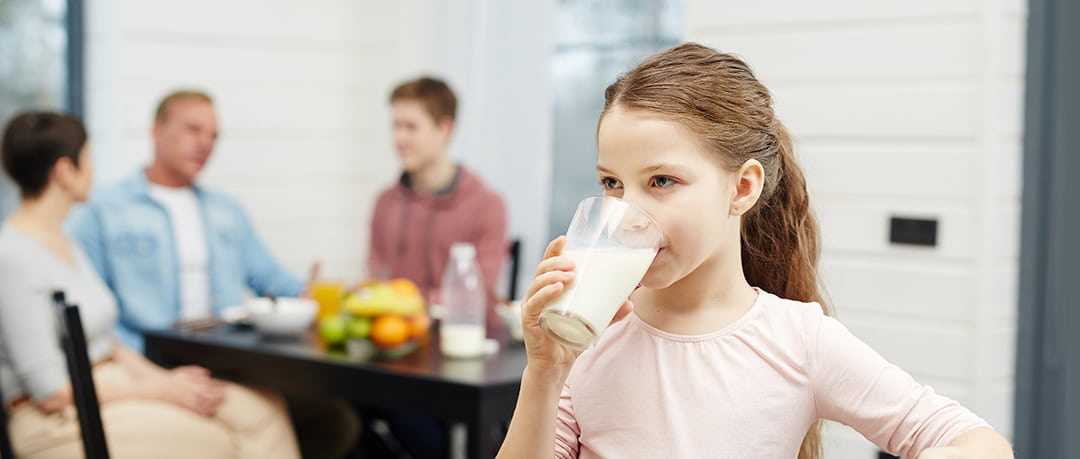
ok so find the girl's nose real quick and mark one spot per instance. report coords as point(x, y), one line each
point(634, 227)
point(635, 221)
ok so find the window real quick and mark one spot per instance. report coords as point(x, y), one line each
point(41, 69)
point(595, 41)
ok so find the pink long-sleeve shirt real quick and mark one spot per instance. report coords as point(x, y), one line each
point(751, 389)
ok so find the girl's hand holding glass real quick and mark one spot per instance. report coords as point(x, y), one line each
point(553, 274)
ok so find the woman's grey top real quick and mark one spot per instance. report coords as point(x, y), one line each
point(31, 360)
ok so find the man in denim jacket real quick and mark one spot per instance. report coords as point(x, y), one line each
point(168, 248)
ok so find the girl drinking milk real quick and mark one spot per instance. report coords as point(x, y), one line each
point(726, 349)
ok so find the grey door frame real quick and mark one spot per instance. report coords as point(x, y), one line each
point(74, 20)
point(1047, 406)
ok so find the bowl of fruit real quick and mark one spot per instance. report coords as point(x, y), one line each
point(380, 319)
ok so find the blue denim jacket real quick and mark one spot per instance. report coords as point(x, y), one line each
point(128, 238)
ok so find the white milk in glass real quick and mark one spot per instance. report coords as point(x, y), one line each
point(605, 278)
point(462, 340)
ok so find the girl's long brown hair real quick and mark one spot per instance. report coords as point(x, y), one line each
point(716, 96)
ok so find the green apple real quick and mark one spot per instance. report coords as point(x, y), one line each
point(332, 329)
point(359, 327)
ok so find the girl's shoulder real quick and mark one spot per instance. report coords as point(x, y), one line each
point(778, 311)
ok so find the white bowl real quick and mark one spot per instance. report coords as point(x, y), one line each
point(510, 313)
point(291, 316)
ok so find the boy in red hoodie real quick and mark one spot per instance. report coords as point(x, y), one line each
point(436, 202)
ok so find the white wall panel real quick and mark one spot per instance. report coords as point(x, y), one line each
point(906, 172)
point(860, 227)
point(910, 343)
point(272, 22)
point(894, 290)
point(706, 14)
point(869, 111)
point(934, 51)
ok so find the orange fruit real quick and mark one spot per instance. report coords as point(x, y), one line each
point(419, 325)
point(404, 287)
point(390, 331)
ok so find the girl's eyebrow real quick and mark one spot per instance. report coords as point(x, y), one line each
point(645, 170)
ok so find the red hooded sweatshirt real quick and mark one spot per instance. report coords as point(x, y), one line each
point(412, 231)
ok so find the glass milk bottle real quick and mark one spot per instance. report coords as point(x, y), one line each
point(462, 332)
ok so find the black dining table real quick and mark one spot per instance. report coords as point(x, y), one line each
point(480, 393)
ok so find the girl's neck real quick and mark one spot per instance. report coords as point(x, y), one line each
point(708, 299)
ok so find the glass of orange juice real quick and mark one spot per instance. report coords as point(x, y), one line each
point(328, 294)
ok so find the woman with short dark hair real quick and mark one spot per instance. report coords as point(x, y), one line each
point(147, 411)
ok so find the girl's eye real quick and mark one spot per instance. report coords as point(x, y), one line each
point(661, 181)
point(609, 183)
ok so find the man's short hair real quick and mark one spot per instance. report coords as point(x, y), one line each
point(434, 94)
point(177, 96)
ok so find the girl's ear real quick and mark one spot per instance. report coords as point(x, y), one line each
point(749, 180)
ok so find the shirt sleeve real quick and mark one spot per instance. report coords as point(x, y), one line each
point(263, 272)
point(29, 332)
point(856, 386)
point(566, 427)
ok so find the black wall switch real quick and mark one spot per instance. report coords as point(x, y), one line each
point(913, 231)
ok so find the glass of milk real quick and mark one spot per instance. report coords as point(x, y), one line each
point(612, 243)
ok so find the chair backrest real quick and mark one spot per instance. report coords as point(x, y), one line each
point(73, 340)
point(515, 258)
point(5, 442)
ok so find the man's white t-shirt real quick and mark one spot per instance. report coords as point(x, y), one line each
point(193, 254)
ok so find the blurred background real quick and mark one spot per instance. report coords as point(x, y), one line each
point(908, 118)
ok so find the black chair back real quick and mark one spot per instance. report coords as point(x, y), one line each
point(82, 382)
point(5, 442)
point(515, 257)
